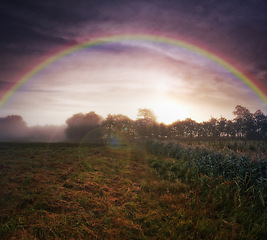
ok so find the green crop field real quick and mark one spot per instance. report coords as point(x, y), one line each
point(147, 191)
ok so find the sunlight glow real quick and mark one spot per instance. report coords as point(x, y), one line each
point(168, 110)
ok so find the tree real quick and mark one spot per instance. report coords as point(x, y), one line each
point(175, 130)
point(230, 129)
point(213, 128)
point(260, 121)
point(203, 130)
point(189, 127)
point(244, 122)
point(119, 124)
point(222, 127)
point(145, 122)
point(79, 125)
point(146, 114)
point(13, 127)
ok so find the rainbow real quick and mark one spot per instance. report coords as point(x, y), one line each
point(245, 78)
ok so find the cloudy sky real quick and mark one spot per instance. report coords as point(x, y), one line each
point(125, 75)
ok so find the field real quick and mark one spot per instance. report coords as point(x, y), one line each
point(90, 191)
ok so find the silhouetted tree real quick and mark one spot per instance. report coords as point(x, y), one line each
point(203, 130)
point(176, 130)
point(244, 122)
point(245, 125)
point(90, 127)
point(230, 129)
point(146, 114)
point(222, 127)
point(213, 128)
point(189, 127)
point(119, 124)
point(145, 122)
point(260, 121)
point(13, 127)
point(80, 125)
point(163, 131)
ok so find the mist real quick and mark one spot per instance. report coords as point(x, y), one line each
point(14, 128)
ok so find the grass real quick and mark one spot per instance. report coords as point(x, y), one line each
point(89, 191)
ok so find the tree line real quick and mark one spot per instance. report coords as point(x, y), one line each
point(92, 127)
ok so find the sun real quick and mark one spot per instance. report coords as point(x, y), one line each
point(168, 110)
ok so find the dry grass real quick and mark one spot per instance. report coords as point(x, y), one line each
point(71, 191)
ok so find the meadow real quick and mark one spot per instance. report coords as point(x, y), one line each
point(157, 190)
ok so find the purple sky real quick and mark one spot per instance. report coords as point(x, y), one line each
point(124, 76)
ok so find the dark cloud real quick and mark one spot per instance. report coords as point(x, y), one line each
point(223, 24)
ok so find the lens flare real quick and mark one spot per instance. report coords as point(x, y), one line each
point(117, 142)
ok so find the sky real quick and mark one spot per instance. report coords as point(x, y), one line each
point(122, 76)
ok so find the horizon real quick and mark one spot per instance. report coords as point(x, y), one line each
point(133, 119)
point(92, 127)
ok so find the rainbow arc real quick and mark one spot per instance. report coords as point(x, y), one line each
point(230, 67)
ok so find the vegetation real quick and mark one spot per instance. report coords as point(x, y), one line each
point(126, 179)
point(122, 191)
point(79, 124)
point(247, 174)
point(245, 126)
